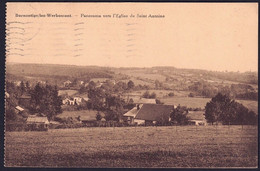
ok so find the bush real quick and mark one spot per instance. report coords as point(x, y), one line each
point(171, 94)
point(191, 95)
point(15, 126)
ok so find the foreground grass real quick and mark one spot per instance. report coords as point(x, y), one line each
point(182, 146)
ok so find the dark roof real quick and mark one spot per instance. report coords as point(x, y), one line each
point(196, 115)
point(154, 112)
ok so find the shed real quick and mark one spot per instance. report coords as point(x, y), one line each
point(37, 123)
point(196, 118)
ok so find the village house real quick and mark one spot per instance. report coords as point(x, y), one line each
point(17, 83)
point(131, 114)
point(74, 101)
point(149, 114)
point(68, 101)
point(77, 100)
point(18, 110)
point(196, 118)
point(36, 122)
point(81, 82)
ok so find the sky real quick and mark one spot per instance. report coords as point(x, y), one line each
point(211, 36)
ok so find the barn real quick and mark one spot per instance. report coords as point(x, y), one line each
point(37, 123)
point(150, 114)
point(196, 118)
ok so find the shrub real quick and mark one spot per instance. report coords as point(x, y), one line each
point(171, 94)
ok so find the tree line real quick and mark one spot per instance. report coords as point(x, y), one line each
point(42, 99)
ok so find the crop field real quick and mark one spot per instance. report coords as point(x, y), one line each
point(68, 92)
point(186, 101)
point(201, 102)
point(176, 146)
point(141, 74)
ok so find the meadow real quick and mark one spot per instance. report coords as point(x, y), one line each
point(196, 102)
point(176, 146)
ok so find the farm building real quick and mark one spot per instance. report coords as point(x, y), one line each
point(196, 118)
point(68, 101)
point(73, 101)
point(18, 109)
point(149, 114)
point(131, 114)
point(35, 122)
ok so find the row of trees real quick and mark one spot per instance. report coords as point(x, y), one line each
point(242, 91)
point(43, 99)
point(149, 95)
point(109, 86)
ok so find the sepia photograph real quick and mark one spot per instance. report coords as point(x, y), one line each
point(131, 85)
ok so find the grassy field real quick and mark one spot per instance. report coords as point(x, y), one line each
point(177, 146)
point(84, 114)
point(201, 102)
point(68, 92)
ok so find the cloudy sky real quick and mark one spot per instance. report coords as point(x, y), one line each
point(209, 36)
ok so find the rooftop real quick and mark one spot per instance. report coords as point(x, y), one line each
point(154, 112)
point(37, 119)
point(132, 113)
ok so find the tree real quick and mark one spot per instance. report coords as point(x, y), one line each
point(171, 94)
point(222, 109)
point(98, 116)
point(179, 115)
point(153, 95)
point(27, 86)
point(120, 86)
point(130, 85)
point(22, 88)
point(146, 94)
point(158, 101)
point(46, 100)
point(91, 85)
point(215, 108)
point(157, 84)
point(191, 95)
point(96, 98)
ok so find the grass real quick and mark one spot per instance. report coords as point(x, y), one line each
point(186, 101)
point(68, 92)
point(84, 114)
point(181, 146)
